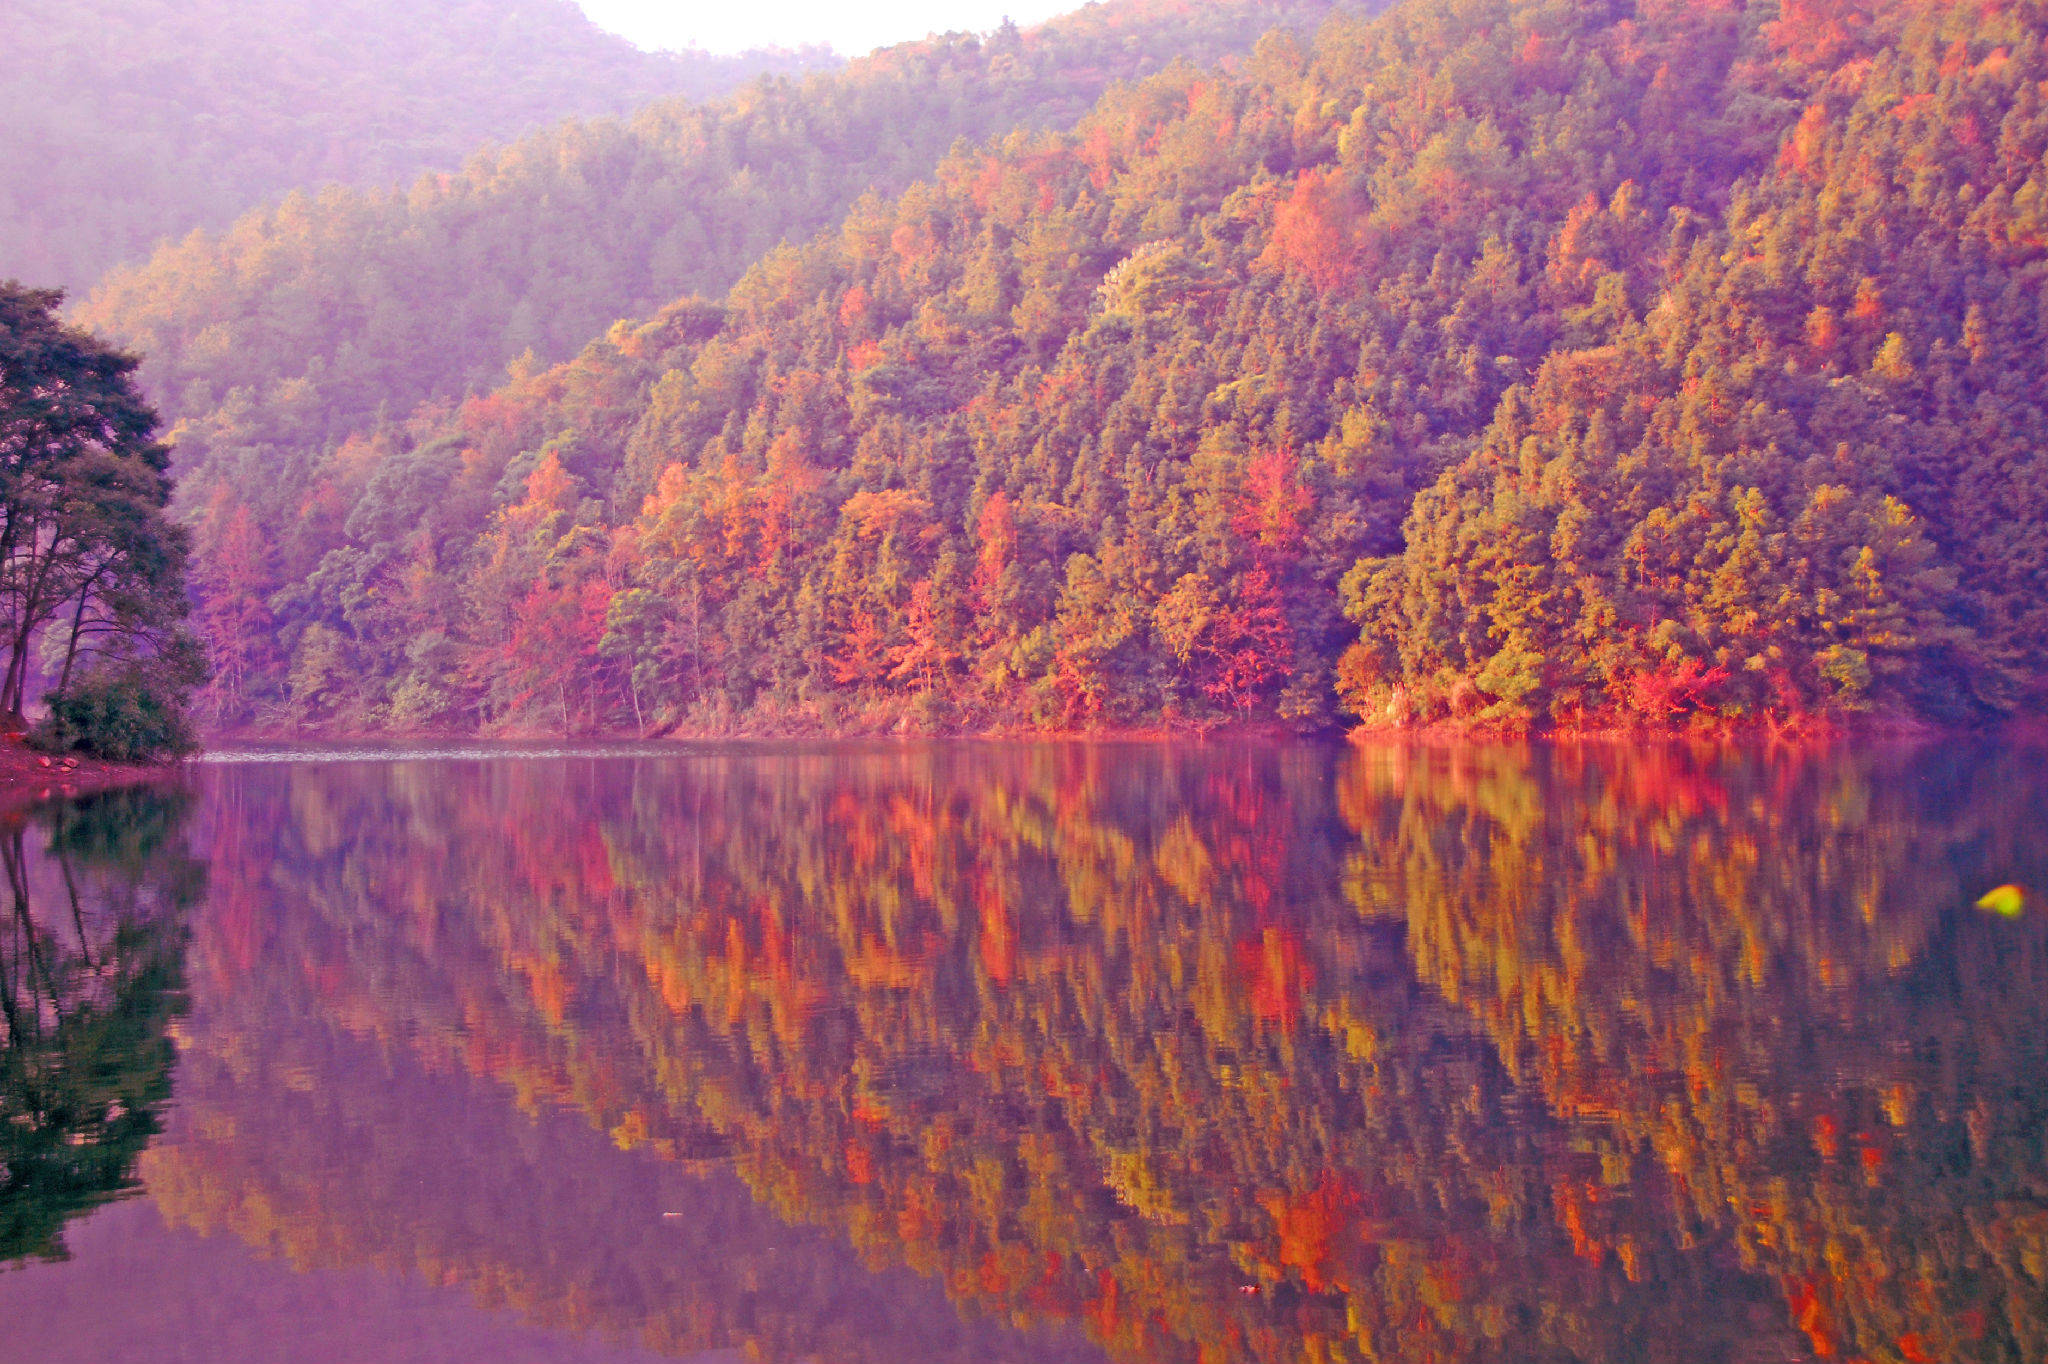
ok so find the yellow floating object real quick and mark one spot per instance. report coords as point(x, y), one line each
point(2006, 900)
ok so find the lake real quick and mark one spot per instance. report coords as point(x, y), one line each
point(1048, 1052)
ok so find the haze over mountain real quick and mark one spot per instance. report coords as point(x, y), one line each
point(131, 120)
point(850, 29)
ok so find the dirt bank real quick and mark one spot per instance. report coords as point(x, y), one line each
point(26, 775)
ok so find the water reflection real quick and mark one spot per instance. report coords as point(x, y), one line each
point(984, 1052)
point(1758, 994)
point(91, 960)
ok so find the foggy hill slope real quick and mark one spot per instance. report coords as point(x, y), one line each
point(132, 120)
point(304, 320)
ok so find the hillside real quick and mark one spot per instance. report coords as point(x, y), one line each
point(313, 318)
point(1509, 362)
point(133, 120)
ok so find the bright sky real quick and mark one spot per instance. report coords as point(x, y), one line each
point(851, 26)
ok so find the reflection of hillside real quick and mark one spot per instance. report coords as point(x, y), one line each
point(329, 1114)
point(1102, 1037)
point(329, 1154)
point(90, 979)
point(1760, 987)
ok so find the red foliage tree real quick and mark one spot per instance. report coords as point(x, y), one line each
point(1252, 643)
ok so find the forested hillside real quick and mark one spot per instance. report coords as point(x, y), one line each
point(1511, 361)
point(131, 120)
point(306, 320)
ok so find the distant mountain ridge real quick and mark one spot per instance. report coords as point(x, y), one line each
point(132, 120)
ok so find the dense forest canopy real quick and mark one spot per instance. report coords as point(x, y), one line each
point(1513, 362)
point(131, 120)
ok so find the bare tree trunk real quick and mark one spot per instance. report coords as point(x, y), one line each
point(17, 648)
point(24, 632)
point(696, 639)
point(71, 648)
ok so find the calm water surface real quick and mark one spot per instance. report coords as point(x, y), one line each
point(1033, 1052)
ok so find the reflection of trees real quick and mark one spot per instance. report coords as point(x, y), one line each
point(90, 979)
point(338, 1107)
point(1452, 1057)
point(1758, 994)
point(318, 1149)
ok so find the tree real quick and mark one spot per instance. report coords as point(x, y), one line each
point(91, 568)
point(235, 623)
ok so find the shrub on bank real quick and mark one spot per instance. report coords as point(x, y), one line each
point(120, 714)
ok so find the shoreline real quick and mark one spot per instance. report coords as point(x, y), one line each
point(1803, 733)
point(28, 776)
point(765, 730)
